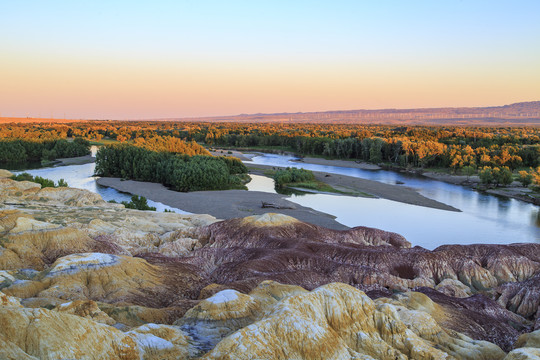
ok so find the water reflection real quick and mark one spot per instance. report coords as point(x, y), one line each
point(261, 183)
point(80, 176)
point(484, 218)
point(21, 166)
point(535, 217)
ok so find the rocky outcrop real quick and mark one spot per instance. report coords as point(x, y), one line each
point(108, 278)
point(5, 174)
point(255, 231)
point(87, 309)
point(29, 243)
point(165, 286)
point(336, 321)
point(528, 347)
point(522, 298)
point(241, 259)
point(477, 316)
point(6, 300)
point(44, 334)
point(274, 321)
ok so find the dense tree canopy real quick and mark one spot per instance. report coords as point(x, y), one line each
point(178, 171)
point(18, 151)
point(449, 147)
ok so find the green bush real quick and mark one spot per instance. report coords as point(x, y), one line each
point(139, 203)
point(38, 179)
point(292, 175)
point(22, 177)
point(497, 176)
point(486, 175)
point(526, 178)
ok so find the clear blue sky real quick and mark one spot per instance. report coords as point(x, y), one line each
point(188, 58)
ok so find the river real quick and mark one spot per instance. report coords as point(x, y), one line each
point(484, 218)
point(81, 176)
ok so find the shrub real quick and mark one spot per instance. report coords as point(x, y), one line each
point(486, 175)
point(292, 175)
point(504, 176)
point(525, 178)
point(40, 180)
point(139, 203)
point(468, 171)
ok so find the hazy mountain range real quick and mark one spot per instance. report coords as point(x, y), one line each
point(522, 113)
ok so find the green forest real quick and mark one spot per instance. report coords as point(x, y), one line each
point(20, 151)
point(179, 172)
point(467, 150)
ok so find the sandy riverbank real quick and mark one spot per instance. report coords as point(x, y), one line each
point(339, 182)
point(386, 191)
point(339, 163)
point(519, 193)
point(514, 191)
point(377, 189)
point(226, 204)
point(234, 153)
point(453, 179)
point(75, 160)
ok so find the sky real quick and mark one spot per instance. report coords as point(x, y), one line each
point(168, 59)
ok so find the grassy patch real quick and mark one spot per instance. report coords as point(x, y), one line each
point(269, 173)
point(104, 141)
point(314, 185)
point(324, 187)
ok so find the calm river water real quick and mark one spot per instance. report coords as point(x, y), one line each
point(80, 176)
point(484, 218)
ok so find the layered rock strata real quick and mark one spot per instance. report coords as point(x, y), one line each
point(87, 279)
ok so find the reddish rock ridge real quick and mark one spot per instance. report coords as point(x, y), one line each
point(95, 263)
point(254, 231)
point(522, 298)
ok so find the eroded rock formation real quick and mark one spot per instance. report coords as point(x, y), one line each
point(149, 285)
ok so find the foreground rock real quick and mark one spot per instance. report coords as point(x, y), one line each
point(334, 321)
point(81, 278)
point(274, 321)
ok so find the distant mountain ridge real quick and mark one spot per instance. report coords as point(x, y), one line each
point(522, 113)
point(516, 114)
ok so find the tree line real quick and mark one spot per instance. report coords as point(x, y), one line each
point(20, 151)
point(177, 171)
point(451, 147)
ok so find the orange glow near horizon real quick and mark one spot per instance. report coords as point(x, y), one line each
point(100, 90)
point(113, 70)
